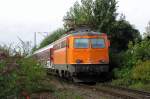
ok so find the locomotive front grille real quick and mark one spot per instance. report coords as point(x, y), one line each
point(90, 68)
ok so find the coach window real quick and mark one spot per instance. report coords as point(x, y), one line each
point(56, 46)
point(63, 44)
point(98, 43)
point(81, 43)
point(59, 45)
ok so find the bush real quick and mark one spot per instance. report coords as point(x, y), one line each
point(31, 75)
point(141, 72)
point(141, 86)
point(20, 75)
point(116, 59)
point(135, 70)
point(136, 53)
point(122, 77)
point(28, 78)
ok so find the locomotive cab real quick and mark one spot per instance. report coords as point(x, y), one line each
point(88, 53)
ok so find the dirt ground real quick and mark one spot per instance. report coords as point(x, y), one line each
point(65, 90)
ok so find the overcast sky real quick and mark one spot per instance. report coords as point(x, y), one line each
point(21, 18)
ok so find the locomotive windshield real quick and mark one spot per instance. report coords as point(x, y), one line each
point(81, 43)
point(97, 43)
point(94, 42)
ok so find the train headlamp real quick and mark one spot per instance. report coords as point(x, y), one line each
point(102, 61)
point(79, 61)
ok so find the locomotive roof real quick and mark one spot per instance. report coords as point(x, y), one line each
point(85, 33)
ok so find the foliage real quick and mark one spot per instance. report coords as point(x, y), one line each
point(20, 75)
point(141, 72)
point(121, 33)
point(28, 77)
point(141, 86)
point(51, 38)
point(81, 14)
point(116, 59)
point(136, 77)
point(105, 14)
point(137, 52)
point(8, 85)
point(135, 71)
point(98, 14)
point(31, 76)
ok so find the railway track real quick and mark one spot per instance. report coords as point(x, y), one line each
point(118, 92)
point(99, 91)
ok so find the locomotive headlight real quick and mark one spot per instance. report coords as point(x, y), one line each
point(79, 61)
point(102, 61)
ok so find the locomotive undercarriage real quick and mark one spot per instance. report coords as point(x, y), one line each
point(82, 72)
point(90, 72)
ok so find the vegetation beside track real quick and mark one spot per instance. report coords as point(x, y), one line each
point(20, 76)
point(134, 71)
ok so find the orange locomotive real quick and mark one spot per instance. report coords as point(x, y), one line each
point(80, 54)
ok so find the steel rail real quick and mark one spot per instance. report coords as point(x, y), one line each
point(118, 92)
point(145, 94)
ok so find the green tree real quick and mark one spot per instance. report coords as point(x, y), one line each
point(122, 32)
point(80, 14)
point(98, 14)
point(105, 14)
point(53, 37)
